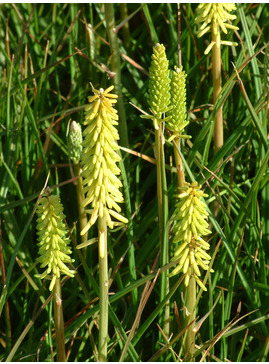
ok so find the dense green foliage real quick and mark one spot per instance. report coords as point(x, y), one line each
point(49, 55)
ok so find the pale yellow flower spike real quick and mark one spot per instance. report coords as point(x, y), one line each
point(190, 224)
point(212, 17)
point(99, 158)
point(53, 239)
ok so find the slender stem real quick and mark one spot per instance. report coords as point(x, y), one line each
point(218, 128)
point(81, 210)
point(103, 286)
point(179, 165)
point(163, 221)
point(6, 310)
point(125, 28)
point(116, 68)
point(190, 304)
point(59, 320)
point(191, 289)
point(179, 35)
point(218, 131)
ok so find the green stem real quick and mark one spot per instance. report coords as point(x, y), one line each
point(218, 126)
point(190, 304)
point(191, 289)
point(218, 130)
point(103, 286)
point(81, 210)
point(59, 321)
point(163, 222)
point(116, 68)
point(6, 309)
point(125, 28)
point(179, 164)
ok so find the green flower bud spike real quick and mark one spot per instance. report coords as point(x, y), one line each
point(99, 158)
point(213, 17)
point(177, 121)
point(177, 118)
point(159, 84)
point(159, 101)
point(75, 142)
point(190, 224)
point(53, 241)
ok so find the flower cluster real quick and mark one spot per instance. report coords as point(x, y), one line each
point(190, 225)
point(75, 142)
point(99, 158)
point(53, 241)
point(159, 84)
point(177, 121)
point(213, 17)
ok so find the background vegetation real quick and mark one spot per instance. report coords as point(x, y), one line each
point(49, 54)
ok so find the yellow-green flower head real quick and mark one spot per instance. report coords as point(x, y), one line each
point(53, 239)
point(75, 142)
point(190, 225)
point(213, 17)
point(177, 113)
point(99, 158)
point(159, 84)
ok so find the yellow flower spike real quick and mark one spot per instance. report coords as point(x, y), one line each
point(53, 243)
point(99, 158)
point(212, 17)
point(190, 224)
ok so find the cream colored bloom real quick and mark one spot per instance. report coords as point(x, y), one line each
point(99, 158)
point(190, 225)
point(53, 239)
point(212, 17)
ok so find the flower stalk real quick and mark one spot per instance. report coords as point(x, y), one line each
point(176, 124)
point(116, 69)
point(216, 69)
point(159, 100)
point(112, 34)
point(101, 187)
point(190, 225)
point(213, 18)
point(59, 321)
point(190, 305)
point(103, 284)
point(75, 149)
point(54, 254)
